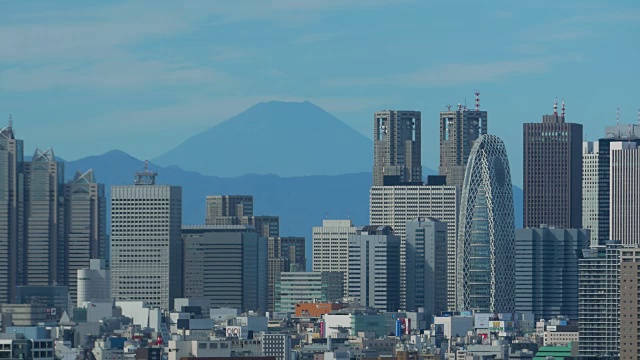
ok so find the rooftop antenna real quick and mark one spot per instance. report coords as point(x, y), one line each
point(562, 108)
point(11, 120)
point(477, 100)
point(638, 116)
point(449, 108)
point(555, 107)
point(617, 116)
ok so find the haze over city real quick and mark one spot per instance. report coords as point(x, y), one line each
point(142, 79)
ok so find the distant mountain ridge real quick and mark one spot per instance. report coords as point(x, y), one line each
point(283, 138)
point(301, 202)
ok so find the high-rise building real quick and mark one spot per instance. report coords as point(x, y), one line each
point(553, 172)
point(373, 274)
point(486, 249)
point(286, 254)
point(94, 283)
point(11, 212)
point(227, 265)
point(146, 246)
point(331, 244)
point(266, 226)
point(629, 133)
point(629, 300)
point(228, 209)
point(590, 190)
point(396, 205)
point(46, 250)
point(303, 287)
point(546, 276)
point(276, 345)
point(427, 265)
point(86, 222)
point(624, 192)
point(238, 210)
point(396, 147)
point(459, 129)
point(599, 301)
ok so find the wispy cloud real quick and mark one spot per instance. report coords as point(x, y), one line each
point(451, 74)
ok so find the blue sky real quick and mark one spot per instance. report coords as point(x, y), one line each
point(87, 77)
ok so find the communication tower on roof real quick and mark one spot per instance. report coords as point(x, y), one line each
point(145, 177)
point(477, 100)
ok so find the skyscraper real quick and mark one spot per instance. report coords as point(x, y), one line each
point(299, 287)
point(624, 192)
point(146, 246)
point(629, 300)
point(86, 224)
point(227, 265)
point(486, 246)
point(458, 131)
point(629, 133)
point(238, 210)
point(590, 190)
point(46, 250)
point(427, 265)
point(11, 211)
point(599, 301)
point(286, 254)
point(396, 147)
point(373, 273)
point(228, 209)
point(546, 277)
point(553, 172)
point(396, 205)
point(330, 245)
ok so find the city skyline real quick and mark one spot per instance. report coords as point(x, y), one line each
point(512, 69)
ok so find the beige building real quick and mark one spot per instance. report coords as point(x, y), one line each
point(629, 300)
point(395, 206)
point(330, 246)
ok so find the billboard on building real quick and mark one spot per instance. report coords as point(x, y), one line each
point(237, 332)
point(482, 320)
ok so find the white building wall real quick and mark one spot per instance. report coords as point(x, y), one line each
point(396, 205)
point(590, 184)
point(330, 244)
point(624, 197)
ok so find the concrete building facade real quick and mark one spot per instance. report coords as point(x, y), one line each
point(227, 267)
point(599, 301)
point(46, 250)
point(286, 254)
point(94, 283)
point(590, 190)
point(459, 129)
point(396, 205)
point(629, 300)
point(12, 229)
point(546, 271)
point(552, 172)
point(330, 246)
point(624, 193)
point(397, 147)
point(373, 273)
point(86, 222)
point(427, 265)
point(228, 209)
point(146, 247)
point(304, 287)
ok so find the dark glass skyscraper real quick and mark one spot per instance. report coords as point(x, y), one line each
point(552, 167)
point(11, 211)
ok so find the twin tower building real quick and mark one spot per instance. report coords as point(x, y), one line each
point(467, 209)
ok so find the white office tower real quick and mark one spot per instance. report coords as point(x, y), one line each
point(590, 189)
point(427, 265)
point(624, 196)
point(330, 244)
point(94, 284)
point(373, 276)
point(146, 248)
point(396, 205)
